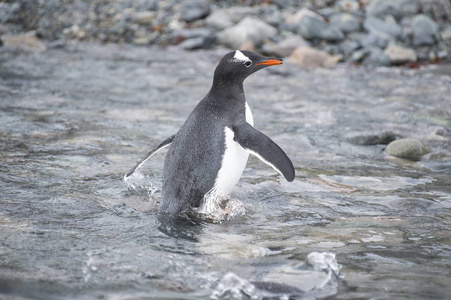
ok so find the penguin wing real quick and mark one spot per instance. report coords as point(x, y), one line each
point(164, 144)
point(258, 144)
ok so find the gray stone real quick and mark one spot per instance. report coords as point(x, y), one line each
point(203, 42)
point(425, 31)
point(396, 8)
point(384, 137)
point(446, 34)
point(250, 29)
point(345, 22)
point(372, 24)
point(312, 28)
point(411, 149)
point(194, 10)
point(285, 47)
point(190, 33)
point(399, 55)
point(347, 47)
point(358, 55)
point(238, 13)
point(375, 39)
point(376, 57)
point(219, 19)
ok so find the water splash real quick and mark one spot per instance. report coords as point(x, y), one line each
point(219, 208)
point(141, 184)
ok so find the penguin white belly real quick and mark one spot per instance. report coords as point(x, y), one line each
point(233, 161)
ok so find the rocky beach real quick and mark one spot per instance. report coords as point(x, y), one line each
point(310, 32)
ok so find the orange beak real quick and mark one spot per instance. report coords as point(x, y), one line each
point(271, 62)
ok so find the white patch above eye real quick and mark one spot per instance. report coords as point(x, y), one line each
point(239, 56)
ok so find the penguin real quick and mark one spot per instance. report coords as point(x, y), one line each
point(207, 156)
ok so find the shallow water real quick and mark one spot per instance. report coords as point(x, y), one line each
point(353, 224)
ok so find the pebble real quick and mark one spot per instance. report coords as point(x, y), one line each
point(311, 28)
point(400, 55)
point(408, 148)
point(219, 19)
point(250, 29)
point(348, 5)
point(144, 17)
point(194, 9)
point(446, 34)
point(375, 39)
point(425, 31)
point(389, 27)
point(397, 8)
point(307, 57)
point(27, 42)
point(285, 47)
point(345, 22)
point(376, 57)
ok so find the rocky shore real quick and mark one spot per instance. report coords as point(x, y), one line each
point(310, 32)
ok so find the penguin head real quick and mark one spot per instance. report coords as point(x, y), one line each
point(237, 65)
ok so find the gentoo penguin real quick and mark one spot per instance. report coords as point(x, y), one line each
point(208, 154)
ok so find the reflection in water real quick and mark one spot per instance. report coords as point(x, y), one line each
point(74, 120)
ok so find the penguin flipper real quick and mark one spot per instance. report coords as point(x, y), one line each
point(260, 145)
point(164, 144)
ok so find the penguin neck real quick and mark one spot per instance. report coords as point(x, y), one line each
point(227, 90)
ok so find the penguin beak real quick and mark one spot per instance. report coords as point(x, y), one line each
point(271, 62)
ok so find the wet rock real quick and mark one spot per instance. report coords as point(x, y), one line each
point(219, 19)
point(411, 149)
point(285, 47)
point(312, 28)
point(384, 137)
point(425, 31)
point(345, 22)
point(306, 57)
point(250, 29)
point(399, 55)
point(194, 10)
point(348, 5)
point(26, 42)
point(391, 28)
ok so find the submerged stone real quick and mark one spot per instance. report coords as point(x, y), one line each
point(384, 137)
point(409, 148)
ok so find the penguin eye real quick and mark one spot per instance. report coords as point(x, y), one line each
point(248, 63)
